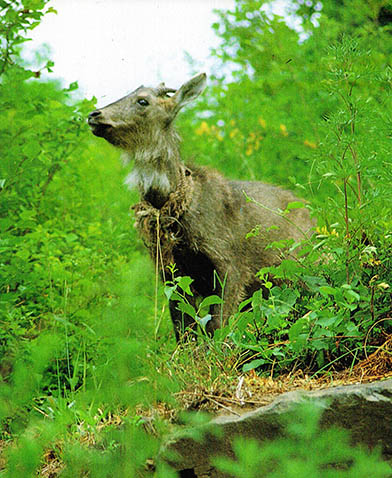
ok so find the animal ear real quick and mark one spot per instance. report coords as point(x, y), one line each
point(189, 91)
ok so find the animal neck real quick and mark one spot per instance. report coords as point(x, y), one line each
point(157, 171)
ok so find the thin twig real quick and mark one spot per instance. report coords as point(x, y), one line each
point(222, 406)
point(156, 278)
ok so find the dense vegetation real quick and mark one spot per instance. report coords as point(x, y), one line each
point(313, 116)
point(85, 338)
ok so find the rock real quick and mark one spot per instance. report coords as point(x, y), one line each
point(364, 409)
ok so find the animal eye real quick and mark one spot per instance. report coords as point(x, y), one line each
point(142, 102)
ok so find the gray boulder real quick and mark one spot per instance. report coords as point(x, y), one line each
point(365, 410)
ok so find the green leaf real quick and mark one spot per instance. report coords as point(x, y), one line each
point(32, 149)
point(184, 283)
point(254, 232)
point(169, 290)
point(204, 320)
point(210, 300)
point(245, 303)
point(71, 237)
point(187, 309)
point(351, 295)
point(328, 321)
point(73, 86)
point(253, 364)
point(326, 290)
point(294, 205)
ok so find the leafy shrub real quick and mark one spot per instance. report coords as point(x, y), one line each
point(59, 237)
point(310, 113)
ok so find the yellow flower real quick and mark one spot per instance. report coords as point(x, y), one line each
point(283, 130)
point(262, 122)
point(383, 285)
point(322, 230)
point(325, 232)
point(233, 133)
point(310, 144)
point(249, 150)
point(203, 128)
point(374, 262)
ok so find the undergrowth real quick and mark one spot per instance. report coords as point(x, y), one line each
point(90, 375)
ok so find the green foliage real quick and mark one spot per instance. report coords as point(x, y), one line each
point(84, 340)
point(178, 290)
point(59, 238)
point(306, 451)
point(63, 249)
point(17, 18)
point(310, 111)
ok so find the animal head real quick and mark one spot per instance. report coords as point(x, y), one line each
point(139, 119)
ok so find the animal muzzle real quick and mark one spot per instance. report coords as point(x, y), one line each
point(98, 126)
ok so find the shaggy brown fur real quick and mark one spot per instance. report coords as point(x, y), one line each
point(161, 229)
point(195, 217)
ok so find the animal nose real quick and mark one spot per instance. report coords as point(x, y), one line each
point(95, 114)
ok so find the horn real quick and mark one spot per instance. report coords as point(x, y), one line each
point(162, 90)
